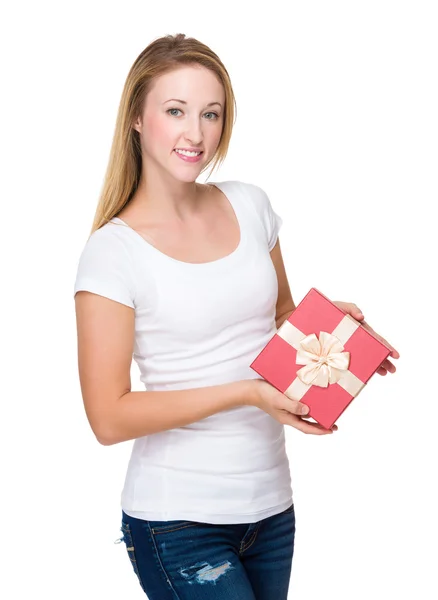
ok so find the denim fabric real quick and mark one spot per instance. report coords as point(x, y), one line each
point(190, 560)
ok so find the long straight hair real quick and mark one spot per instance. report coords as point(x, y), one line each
point(124, 168)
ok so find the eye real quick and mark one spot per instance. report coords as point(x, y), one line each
point(216, 116)
point(173, 109)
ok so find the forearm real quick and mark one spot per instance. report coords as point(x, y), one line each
point(137, 414)
point(279, 322)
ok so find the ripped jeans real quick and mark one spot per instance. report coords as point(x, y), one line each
point(189, 560)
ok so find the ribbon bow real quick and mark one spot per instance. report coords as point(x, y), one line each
point(324, 359)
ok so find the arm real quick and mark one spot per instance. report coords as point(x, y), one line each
point(285, 304)
point(105, 331)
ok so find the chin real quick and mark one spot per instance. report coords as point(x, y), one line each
point(191, 179)
point(187, 176)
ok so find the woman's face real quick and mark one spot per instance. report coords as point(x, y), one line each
point(183, 109)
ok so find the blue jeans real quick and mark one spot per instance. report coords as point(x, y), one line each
point(190, 560)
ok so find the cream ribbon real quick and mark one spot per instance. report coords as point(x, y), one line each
point(325, 358)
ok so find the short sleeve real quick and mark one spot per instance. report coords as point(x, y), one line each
point(273, 225)
point(271, 221)
point(105, 268)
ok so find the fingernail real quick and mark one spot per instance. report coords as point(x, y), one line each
point(305, 410)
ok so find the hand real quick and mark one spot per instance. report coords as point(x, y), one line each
point(283, 409)
point(356, 313)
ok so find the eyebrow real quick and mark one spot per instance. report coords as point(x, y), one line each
point(184, 102)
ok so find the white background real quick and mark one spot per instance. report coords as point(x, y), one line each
point(338, 122)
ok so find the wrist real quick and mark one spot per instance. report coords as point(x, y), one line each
point(250, 396)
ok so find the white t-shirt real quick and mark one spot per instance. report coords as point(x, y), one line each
point(197, 325)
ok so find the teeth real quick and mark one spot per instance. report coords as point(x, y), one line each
point(187, 153)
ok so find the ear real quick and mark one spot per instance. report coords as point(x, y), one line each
point(137, 125)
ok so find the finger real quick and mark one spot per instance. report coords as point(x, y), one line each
point(386, 367)
point(387, 364)
point(294, 406)
point(305, 427)
point(334, 427)
point(394, 352)
point(358, 312)
point(353, 310)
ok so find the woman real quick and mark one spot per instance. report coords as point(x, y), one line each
point(189, 280)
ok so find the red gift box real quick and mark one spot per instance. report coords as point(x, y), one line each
point(321, 356)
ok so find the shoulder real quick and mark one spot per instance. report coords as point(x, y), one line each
point(238, 184)
point(108, 239)
point(250, 190)
point(259, 202)
point(251, 193)
point(106, 250)
point(105, 266)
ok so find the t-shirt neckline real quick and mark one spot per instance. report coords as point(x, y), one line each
point(220, 262)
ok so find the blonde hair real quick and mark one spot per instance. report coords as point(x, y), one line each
point(125, 161)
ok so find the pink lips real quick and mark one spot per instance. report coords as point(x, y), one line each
point(191, 159)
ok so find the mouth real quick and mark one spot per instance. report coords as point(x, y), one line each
point(190, 153)
point(187, 156)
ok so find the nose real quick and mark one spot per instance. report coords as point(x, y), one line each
point(193, 132)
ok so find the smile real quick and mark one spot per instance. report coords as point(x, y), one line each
point(187, 152)
point(190, 157)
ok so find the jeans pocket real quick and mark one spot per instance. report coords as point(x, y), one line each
point(127, 538)
point(170, 526)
